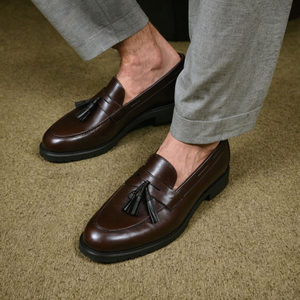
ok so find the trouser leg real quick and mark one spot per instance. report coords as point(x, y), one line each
point(93, 26)
point(229, 66)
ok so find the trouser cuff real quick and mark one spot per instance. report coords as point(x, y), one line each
point(205, 132)
point(112, 34)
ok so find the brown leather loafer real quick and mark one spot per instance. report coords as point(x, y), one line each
point(97, 124)
point(146, 214)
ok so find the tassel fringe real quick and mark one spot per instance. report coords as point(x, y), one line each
point(134, 199)
point(151, 209)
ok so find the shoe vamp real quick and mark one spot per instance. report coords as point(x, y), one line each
point(69, 125)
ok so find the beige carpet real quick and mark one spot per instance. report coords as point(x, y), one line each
point(243, 245)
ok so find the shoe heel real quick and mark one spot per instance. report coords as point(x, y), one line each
point(163, 116)
point(218, 186)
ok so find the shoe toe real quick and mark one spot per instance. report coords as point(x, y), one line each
point(52, 142)
point(100, 237)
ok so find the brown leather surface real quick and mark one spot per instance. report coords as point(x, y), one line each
point(109, 116)
point(112, 229)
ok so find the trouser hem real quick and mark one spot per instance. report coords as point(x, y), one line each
point(112, 34)
point(205, 132)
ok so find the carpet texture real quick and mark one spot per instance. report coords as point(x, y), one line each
point(243, 245)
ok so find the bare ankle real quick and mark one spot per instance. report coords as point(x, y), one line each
point(140, 47)
point(185, 158)
point(145, 58)
point(131, 63)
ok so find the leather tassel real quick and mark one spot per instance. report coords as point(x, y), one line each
point(151, 208)
point(132, 205)
point(137, 203)
point(130, 200)
point(134, 199)
point(82, 103)
point(82, 115)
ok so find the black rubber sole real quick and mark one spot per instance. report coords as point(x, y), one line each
point(156, 117)
point(112, 257)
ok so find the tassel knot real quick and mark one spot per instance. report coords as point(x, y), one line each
point(82, 103)
point(134, 199)
point(89, 106)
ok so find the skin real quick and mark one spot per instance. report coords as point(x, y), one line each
point(146, 57)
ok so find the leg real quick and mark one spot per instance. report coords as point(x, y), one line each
point(227, 74)
point(92, 27)
point(229, 66)
point(146, 57)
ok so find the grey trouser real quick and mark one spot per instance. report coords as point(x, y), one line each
point(229, 63)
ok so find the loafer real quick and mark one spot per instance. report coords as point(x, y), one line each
point(146, 214)
point(97, 124)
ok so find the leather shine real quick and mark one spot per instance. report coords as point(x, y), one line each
point(111, 229)
point(110, 116)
